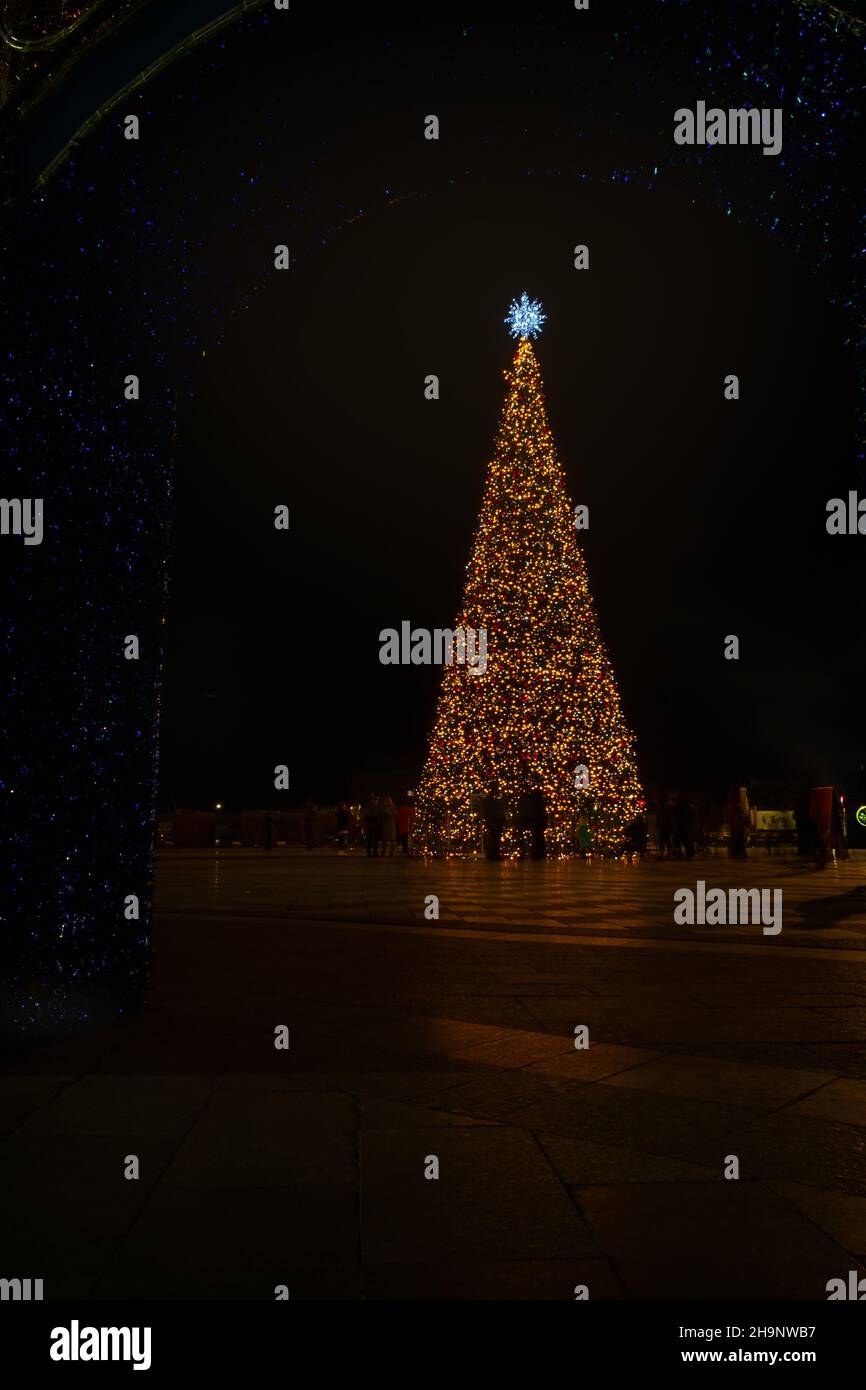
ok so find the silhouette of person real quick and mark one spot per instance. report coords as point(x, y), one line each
point(684, 817)
point(373, 825)
point(494, 819)
point(538, 821)
point(342, 827)
point(736, 825)
point(525, 811)
point(636, 836)
point(666, 827)
point(310, 824)
point(405, 816)
point(389, 826)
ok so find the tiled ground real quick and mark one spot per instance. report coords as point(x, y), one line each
point(567, 895)
point(413, 1040)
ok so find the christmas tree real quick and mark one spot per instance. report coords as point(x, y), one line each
point(543, 711)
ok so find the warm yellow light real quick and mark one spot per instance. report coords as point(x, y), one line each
point(549, 700)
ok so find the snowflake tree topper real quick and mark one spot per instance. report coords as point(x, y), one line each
point(525, 317)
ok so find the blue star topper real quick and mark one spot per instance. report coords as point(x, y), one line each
point(525, 317)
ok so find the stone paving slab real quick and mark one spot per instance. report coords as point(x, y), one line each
point(517, 1049)
point(594, 1063)
point(413, 1085)
point(830, 1056)
point(269, 1139)
point(32, 1083)
point(475, 1210)
point(841, 1100)
point(64, 1205)
point(722, 1240)
point(666, 1125)
point(849, 1022)
point(796, 1148)
point(427, 1037)
point(703, 1078)
point(489, 1095)
point(272, 1081)
point(22, 1096)
point(814, 998)
point(582, 1162)
point(840, 1216)
point(502, 1011)
point(223, 1242)
point(376, 1113)
point(163, 1107)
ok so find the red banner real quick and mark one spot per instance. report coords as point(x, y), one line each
point(820, 809)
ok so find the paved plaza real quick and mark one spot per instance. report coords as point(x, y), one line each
point(597, 896)
point(454, 1039)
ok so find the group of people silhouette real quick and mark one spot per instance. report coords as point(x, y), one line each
point(384, 824)
point(531, 822)
point(677, 827)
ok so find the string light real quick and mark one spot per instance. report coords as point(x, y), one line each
point(525, 317)
point(547, 701)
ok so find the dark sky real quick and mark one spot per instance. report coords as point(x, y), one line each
point(707, 517)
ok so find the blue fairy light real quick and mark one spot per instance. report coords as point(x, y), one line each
point(525, 317)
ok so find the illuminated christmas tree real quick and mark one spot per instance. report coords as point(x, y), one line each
point(543, 711)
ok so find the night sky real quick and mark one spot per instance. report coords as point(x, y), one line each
point(707, 517)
